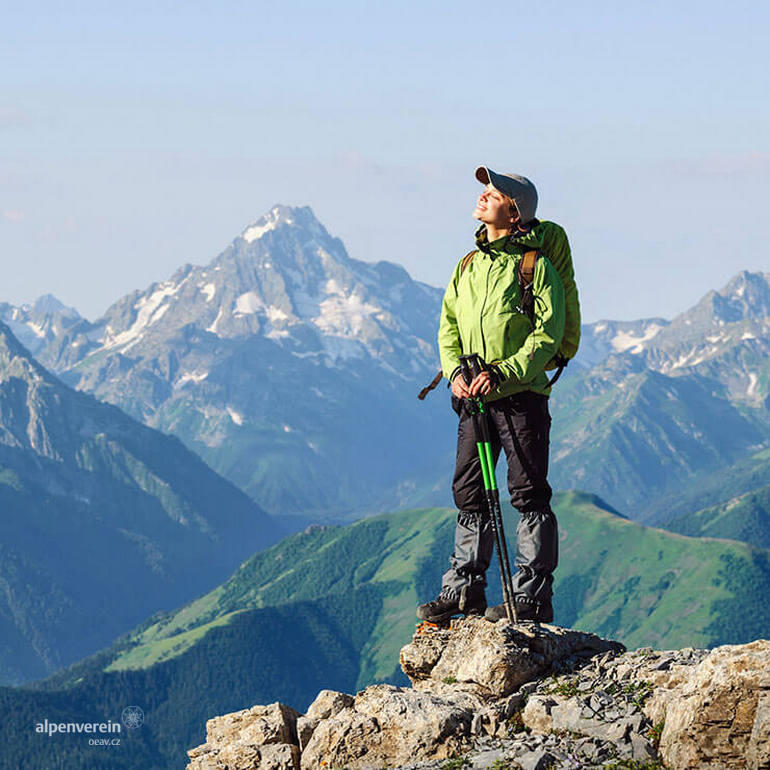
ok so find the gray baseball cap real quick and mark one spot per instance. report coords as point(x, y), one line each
point(518, 188)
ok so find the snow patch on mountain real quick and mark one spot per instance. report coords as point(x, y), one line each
point(209, 290)
point(248, 303)
point(236, 417)
point(624, 341)
point(213, 326)
point(195, 377)
point(39, 329)
point(150, 310)
point(343, 314)
point(276, 216)
point(251, 234)
point(275, 314)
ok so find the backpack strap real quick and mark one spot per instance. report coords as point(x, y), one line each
point(428, 388)
point(527, 267)
point(466, 260)
point(526, 276)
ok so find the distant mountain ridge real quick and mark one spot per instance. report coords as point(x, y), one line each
point(40, 323)
point(654, 407)
point(292, 369)
point(287, 365)
point(725, 336)
point(104, 520)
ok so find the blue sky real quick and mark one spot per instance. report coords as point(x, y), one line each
point(137, 137)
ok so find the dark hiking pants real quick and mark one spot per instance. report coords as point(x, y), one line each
point(520, 425)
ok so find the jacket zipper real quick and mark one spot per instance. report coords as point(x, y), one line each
point(481, 316)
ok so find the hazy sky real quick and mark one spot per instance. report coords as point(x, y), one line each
point(135, 137)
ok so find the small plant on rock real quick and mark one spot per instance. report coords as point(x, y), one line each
point(655, 733)
point(449, 680)
point(638, 692)
point(456, 763)
point(566, 687)
point(516, 723)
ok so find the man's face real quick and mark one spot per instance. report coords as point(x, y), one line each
point(493, 208)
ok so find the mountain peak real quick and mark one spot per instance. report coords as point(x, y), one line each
point(746, 296)
point(47, 303)
point(17, 362)
point(279, 215)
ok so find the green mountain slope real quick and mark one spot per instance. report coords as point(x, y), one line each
point(332, 606)
point(710, 489)
point(745, 517)
point(635, 436)
point(104, 520)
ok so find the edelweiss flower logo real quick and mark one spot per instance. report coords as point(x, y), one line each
point(132, 717)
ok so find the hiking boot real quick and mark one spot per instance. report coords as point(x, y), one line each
point(469, 601)
point(526, 609)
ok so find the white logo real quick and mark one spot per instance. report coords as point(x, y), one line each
point(132, 717)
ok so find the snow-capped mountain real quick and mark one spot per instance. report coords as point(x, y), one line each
point(604, 338)
point(287, 280)
point(292, 369)
point(658, 404)
point(40, 323)
point(286, 364)
point(725, 337)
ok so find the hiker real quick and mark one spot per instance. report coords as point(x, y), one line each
point(483, 313)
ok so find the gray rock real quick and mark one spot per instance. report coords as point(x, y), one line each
point(305, 728)
point(537, 713)
point(641, 748)
point(486, 758)
point(535, 760)
point(391, 726)
point(262, 737)
point(328, 703)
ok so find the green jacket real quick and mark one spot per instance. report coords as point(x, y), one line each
point(480, 314)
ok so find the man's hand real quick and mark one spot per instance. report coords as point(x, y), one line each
point(459, 388)
point(483, 384)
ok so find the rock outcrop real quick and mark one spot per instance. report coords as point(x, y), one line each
point(526, 696)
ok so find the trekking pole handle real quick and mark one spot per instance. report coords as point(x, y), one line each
point(471, 366)
point(477, 365)
point(465, 370)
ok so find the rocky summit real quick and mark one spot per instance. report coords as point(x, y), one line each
point(527, 696)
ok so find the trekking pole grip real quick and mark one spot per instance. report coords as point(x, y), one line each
point(477, 364)
point(465, 369)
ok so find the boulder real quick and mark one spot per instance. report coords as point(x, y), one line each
point(391, 726)
point(495, 658)
point(718, 716)
point(258, 738)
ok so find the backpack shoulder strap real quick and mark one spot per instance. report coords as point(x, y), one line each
point(527, 267)
point(466, 260)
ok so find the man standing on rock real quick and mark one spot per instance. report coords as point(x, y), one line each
point(482, 313)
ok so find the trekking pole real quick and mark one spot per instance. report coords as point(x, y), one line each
point(471, 366)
